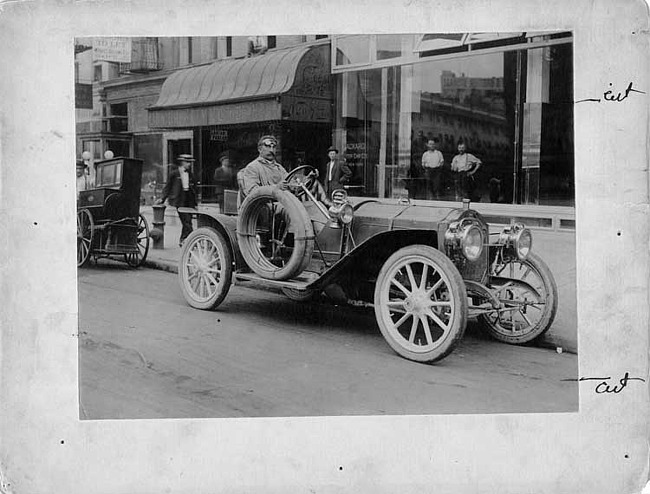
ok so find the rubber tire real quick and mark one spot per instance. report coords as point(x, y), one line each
point(300, 224)
point(549, 312)
point(223, 248)
point(456, 289)
point(299, 295)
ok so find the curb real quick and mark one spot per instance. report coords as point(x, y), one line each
point(161, 265)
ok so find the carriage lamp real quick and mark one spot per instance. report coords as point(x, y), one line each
point(517, 241)
point(465, 237)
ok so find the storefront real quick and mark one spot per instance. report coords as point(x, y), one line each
point(224, 108)
point(508, 97)
point(123, 128)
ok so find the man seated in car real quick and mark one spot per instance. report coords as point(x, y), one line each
point(263, 170)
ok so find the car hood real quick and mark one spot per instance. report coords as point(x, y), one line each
point(403, 216)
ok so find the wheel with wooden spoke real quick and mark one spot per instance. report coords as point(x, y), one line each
point(85, 231)
point(421, 303)
point(205, 269)
point(135, 259)
point(529, 299)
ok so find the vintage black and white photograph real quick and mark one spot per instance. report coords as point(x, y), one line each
point(324, 247)
point(324, 225)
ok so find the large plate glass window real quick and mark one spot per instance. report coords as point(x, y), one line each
point(353, 50)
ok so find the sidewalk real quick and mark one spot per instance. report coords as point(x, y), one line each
point(164, 259)
point(557, 249)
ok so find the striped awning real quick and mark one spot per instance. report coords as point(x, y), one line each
point(227, 91)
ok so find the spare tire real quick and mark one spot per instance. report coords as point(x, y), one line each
point(300, 226)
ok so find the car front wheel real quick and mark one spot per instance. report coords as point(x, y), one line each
point(205, 270)
point(529, 299)
point(421, 303)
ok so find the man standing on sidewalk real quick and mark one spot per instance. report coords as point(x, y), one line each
point(337, 173)
point(83, 179)
point(179, 190)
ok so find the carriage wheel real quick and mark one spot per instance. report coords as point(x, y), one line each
point(135, 259)
point(85, 227)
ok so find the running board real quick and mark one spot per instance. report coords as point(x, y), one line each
point(298, 283)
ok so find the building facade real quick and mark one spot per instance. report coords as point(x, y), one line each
point(149, 108)
point(378, 98)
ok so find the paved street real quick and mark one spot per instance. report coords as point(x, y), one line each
point(144, 353)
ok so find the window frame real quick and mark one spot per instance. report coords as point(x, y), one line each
point(532, 41)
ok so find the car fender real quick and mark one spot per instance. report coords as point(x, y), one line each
point(366, 259)
point(225, 224)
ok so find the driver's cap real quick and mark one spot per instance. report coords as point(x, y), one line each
point(267, 138)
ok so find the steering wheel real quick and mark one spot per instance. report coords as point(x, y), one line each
point(302, 175)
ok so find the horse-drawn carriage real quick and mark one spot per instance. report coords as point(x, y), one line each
point(109, 222)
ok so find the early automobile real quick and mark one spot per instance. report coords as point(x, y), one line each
point(109, 223)
point(424, 269)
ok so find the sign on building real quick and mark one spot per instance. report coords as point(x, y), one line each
point(83, 95)
point(112, 49)
point(218, 135)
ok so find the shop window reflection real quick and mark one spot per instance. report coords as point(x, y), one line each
point(462, 100)
point(512, 109)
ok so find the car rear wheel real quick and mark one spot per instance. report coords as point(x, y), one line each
point(421, 303)
point(528, 293)
point(205, 270)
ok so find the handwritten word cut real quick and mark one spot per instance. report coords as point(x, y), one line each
point(612, 96)
point(605, 387)
point(609, 94)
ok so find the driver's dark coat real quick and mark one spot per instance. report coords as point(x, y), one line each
point(174, 193)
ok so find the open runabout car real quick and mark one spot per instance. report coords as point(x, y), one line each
point(424, 269)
